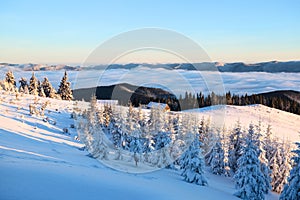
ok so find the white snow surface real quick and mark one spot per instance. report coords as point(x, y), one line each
point(38, 161)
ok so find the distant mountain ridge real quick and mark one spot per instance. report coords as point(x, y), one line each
point(270, 67)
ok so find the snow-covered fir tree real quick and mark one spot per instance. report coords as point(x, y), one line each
point(94, 134)
point(193, 164)
point(33, 85)
point(269, 146)
point(10, 83)
point(235, 147)
point(162, 142)
point(48, 89)
point(291, 190)
point(248, 177)
point(280, 166)
point(274, 163)
point(41, 90)
point(206, 135)
point(23, 85)
point(64, 89)
point(260, 143)
point(216, 158)
point(136, 148)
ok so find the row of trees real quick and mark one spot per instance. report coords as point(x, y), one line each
point(35, 87)
point(200, 100)
point(254, 158)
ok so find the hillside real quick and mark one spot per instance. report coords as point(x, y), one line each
point(126, 92)
point(39, 161)
point(285, 125)
point(286, 100)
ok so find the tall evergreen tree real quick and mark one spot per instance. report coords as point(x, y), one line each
point(216, 158)
point(249, 178)
point(291, 190)
point(48, 89)
point(280, 166)
point(10, 83)
point(23, 85)
point(193, 164)
point(64, 89)
point(264, 167)
point(269, 145)
point(33, 85)
point(41, 90)
point(95, 135)
point(235, 147)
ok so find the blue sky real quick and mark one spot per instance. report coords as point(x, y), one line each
point(68, 31)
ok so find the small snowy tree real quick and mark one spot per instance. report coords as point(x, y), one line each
point(41, 90)
point(136, 148)
point(216, 158)
point(64, 89)
point(23, 85)
point(268, 143)
point(33, 85)
point(280, 166)
point(162, 142)
point(10, 83)
point(260, 143)
point(206, 136)
point(249, 178)
point(94, 134)
point(291, 190)
point(48, 89)
point(193, 164)
point(235, 147)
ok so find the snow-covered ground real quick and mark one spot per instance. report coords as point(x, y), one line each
point(39, 161)
point(285, 125)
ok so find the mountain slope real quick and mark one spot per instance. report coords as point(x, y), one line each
point(39, 161)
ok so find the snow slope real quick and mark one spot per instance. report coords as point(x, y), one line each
point(38, 161)
point(285, 125)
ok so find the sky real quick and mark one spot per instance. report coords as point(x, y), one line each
point(69, 31)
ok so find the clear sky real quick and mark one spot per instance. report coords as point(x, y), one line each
point(58, 31)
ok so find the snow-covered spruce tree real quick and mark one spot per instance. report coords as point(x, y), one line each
point(10, 82)
point(280, 166)
point(235, 147)
point(41, 90)
point(193, 164)
point(64, 89)
point(162, 142)
point(33, 85)
point(206, 135)
point(128, 128)
point(116, 130)
point(23, 85)
point(176, 141)
point(269, 146)
point(48, 89)
point(95, 136)
point(274, 163)
point(248, 178)
point(260, 143)
point(291, 190)
point(136, 148)
point(224, 142)
point(216, 158)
